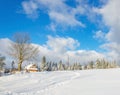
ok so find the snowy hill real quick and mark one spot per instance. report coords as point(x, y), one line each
point(85, 82)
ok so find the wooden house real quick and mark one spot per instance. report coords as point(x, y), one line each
point(31, 68)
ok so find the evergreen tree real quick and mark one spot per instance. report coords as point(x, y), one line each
point(98, 64)
point(69, 67)
point(2, 63)
point(60, 66)
point(76, 67)
point(91, 65)
point(73, 67)
point(79, 67)
point(49, 66)
point(104, 64)
point(85, 67)
point(12, 65)
point(55, 67)
point(43, 64)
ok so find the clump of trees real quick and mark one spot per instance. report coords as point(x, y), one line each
point(103, 64)
point(60, 66)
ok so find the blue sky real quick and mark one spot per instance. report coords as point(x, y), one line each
point(85, 21)
point(12, 19)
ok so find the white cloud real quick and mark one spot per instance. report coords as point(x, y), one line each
point(113, 51)
point(62, 44)
point(112, 46)
point(4, 46)
point(63, 19)
point(110, 13)
point(111, 17)
point(60, 13)
point(84, 56)
point(99, 35)
point(30, 8)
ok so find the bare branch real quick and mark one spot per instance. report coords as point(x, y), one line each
point(21, 49)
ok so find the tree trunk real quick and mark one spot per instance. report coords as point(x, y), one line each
point(20, 66)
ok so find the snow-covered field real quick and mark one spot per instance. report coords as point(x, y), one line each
point(85, 82)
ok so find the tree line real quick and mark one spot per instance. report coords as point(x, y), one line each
point(22, 50)
point(98, 64)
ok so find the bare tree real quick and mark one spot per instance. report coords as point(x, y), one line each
point(22, 49)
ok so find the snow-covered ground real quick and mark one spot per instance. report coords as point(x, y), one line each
point(85, 82)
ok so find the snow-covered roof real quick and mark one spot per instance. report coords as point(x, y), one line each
point(29, 66)
point(33, 69)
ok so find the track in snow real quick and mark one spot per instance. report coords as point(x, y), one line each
point(35, 83)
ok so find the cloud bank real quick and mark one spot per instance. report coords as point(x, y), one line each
point(58, 48)
point(111, 18)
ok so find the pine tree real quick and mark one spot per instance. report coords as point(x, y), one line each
point(79, 67)
point(43, 64)
point(73, 67)
point(2, 63)
point(49, 66)
point(69, 67)
point(98, 64)
point(76, 66)
point(60, 66)
point(12, 65)
point(104, 64)
point(91, 65)
point(55, 67)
